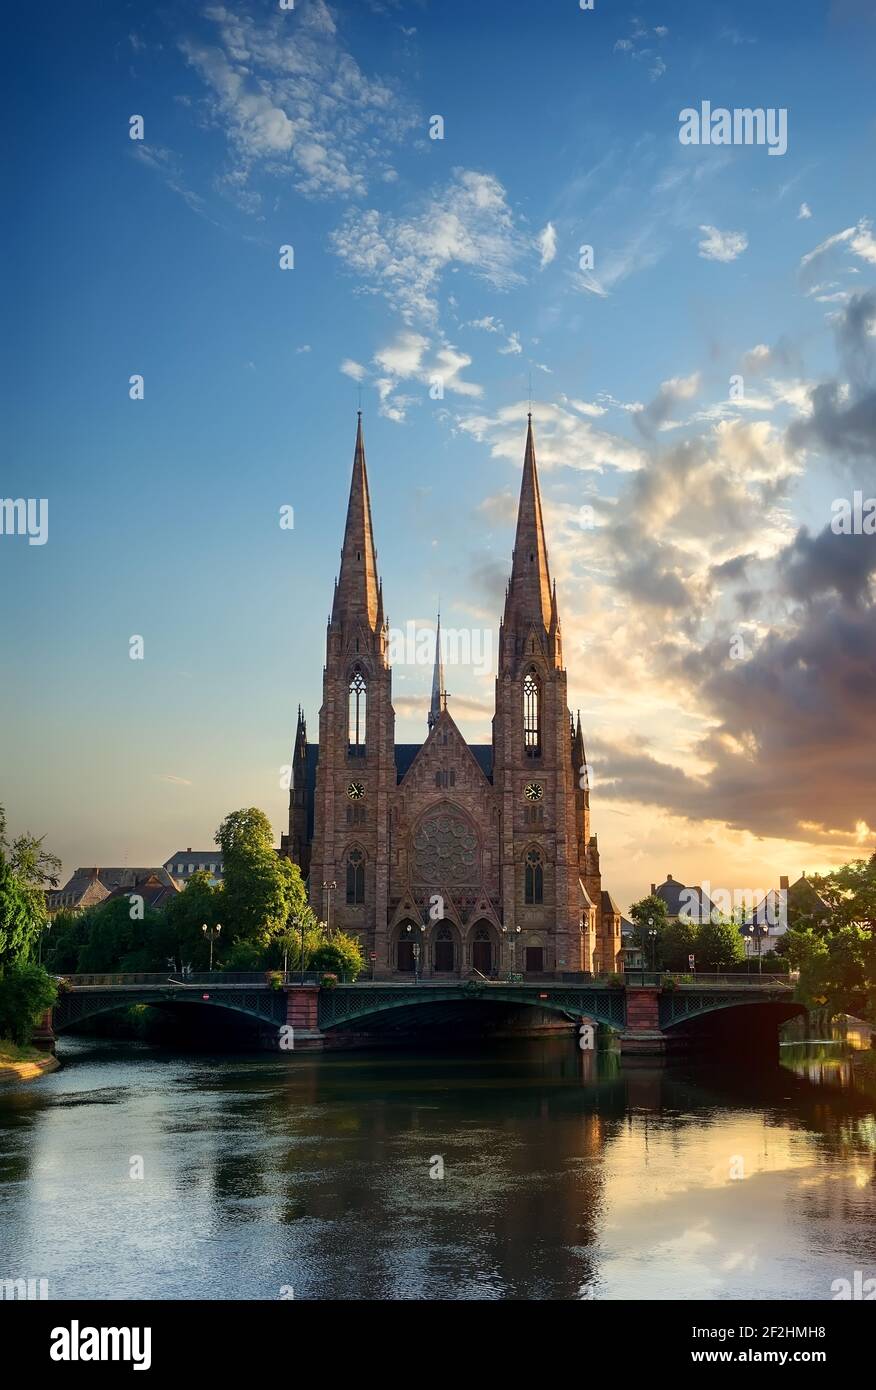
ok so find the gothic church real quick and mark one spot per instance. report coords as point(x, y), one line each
point(446, 858)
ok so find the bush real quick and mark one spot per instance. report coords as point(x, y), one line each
point(26, 991)
point(329, 981)
point(242, 957)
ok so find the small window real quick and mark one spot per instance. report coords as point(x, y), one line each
point(534, 885)
point(355, 877)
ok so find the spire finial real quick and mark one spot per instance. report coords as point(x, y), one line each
point(439, 694)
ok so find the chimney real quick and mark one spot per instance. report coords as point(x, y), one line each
point(653, 889)
point(783, 883)
point(669, 878)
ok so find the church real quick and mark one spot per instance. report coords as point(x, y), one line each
point(448, 859)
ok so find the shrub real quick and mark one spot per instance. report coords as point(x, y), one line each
point(26, 991)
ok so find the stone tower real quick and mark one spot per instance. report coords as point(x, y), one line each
point(449, 858)
point(355, 768)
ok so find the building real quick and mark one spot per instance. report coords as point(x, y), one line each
point(186, 862)
point(782, 908)
point(686, 902)
point(446, 857)
point(153, 888)
point(88, 887)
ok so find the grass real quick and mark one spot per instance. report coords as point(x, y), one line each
point(11, 1052)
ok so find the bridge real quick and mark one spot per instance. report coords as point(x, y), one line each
point(650, 1012)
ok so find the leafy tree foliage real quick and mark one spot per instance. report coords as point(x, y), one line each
point(836, 954)
point(26, 991)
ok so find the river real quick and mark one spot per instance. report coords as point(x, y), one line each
point(524, 1170)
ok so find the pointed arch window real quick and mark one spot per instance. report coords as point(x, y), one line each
point(355, 877)
point(357, 712)
point(534, 885)
point(532, 715)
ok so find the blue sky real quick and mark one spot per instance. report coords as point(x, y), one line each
point(458, 257)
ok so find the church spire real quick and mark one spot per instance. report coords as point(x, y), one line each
point(530, 588)
point(437, 680)
point(356, 591)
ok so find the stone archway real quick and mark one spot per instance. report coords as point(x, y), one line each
point(444, 949)
point(484, 953)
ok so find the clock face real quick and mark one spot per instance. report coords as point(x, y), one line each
point(533, 791)
point(355, 791)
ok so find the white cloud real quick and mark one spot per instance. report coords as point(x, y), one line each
point(293, 100)
point(513, 346)
point(804, 213)
point(858, 241)
point(467, 224)
point(721, 246)
point(547, 244)
point(353, 369)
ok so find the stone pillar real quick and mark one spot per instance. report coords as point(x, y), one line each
point(43, 1035)
point(302, 1013)
point(643, 1033)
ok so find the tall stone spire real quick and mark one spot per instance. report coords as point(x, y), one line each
point(356, 592)
point(529, 594)
point(437, 680)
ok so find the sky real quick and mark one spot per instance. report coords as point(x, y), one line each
point(482, 207)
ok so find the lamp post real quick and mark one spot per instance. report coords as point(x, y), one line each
point(416, 949)
point(211, 934)
point(652, 933)
point(329, 888)
point(515, 932)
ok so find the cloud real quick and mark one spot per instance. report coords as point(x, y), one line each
point(411, 356)
point(657, 415)
point(813, 566)
point(565, 437)
point(721, 246)
point(547, 244)
point(467, 224)
point(842, 419)
point(804, 213)
point(857, 241)
point(353, 369)
point(294, 102)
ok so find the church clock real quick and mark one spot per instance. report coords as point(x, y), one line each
point(355, 791)
point(533, 791)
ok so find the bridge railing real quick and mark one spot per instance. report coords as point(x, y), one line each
point(139, 979)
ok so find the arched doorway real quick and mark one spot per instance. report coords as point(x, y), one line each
point(482, 953)
point(408, 934)
point(444, 950)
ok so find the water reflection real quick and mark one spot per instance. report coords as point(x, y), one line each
point(566, 1175)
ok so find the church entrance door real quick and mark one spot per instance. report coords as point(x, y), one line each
point(444, 952)
point(482, 952)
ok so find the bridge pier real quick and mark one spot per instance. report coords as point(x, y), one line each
point(43, 1035)
point(643, 1035)
point(302, 1013)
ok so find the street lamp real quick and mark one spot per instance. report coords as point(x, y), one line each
point(416, 949)
point(515, 932)
point(329, 888)
point(652, 933)
point(211, 934)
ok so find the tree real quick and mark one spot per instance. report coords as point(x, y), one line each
point(26, 991)
point(16, 916)
point(185, 915)
point(260, 890)
point(649, 914)
point(719, 944)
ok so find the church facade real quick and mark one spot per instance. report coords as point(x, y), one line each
point(449, 859)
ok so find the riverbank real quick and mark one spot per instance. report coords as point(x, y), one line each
point(24, 1063)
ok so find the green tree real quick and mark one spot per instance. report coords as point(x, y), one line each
point(342, 955)
point(676, 943)
point(650, 914)
point(261, 891)
point(17, 926)
point(185, 915)
point(719, 944)
point(26, 991)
